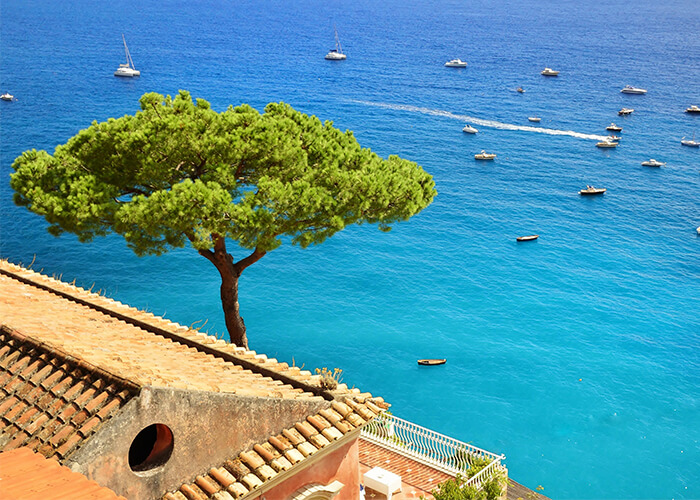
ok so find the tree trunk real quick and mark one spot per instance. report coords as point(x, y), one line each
point(230, 272)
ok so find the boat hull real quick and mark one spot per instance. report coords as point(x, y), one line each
point(532, 237)
point(594, 192)
point(431, 362)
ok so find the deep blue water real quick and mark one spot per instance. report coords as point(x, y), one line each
point(609, 294)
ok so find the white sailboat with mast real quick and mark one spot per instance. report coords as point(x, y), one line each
point(127, 69)
point(336, 54)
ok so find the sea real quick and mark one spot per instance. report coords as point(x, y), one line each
point(577, 355)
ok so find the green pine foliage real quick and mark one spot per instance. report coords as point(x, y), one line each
point(177, 171)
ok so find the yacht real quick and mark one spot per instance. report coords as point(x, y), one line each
point(690, 142)
point(484, 156)
point(625, 111)
point(590, 190)
point(456, 63)
point(629, 89)
point(534, 119)
point(127, 69)
point(7, 96)
point(692, 109)
point(469, 129)
point(336, 54)
point(652, 163)
point(549, 72)
point(606, 144)
point(613, 128)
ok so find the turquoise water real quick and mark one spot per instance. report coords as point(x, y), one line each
point(609, 294)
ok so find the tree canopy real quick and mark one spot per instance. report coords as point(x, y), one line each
point(178, 172)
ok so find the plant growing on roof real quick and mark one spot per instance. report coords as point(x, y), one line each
point(178, 172)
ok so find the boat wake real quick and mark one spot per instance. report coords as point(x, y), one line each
point(479, 121)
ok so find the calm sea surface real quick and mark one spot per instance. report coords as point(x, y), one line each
point(577, 355)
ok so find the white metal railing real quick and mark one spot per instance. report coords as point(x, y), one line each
point(432, 448)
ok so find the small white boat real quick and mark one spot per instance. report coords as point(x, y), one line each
point(614, 128)
point(127, 69)
point(590, 190)
point(613, 138)
point(629, 89)
point(484, 156)
point(549, 72)
point(690, 142)
point(606, 144)
point(7, 96)
point(456, 63)
point(534, 119)
point(336, 54)
point(693, 109)
point(698, 230)
point(469, 129)
point(625, 111)
point(652, 163)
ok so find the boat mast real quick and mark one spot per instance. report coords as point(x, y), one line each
point(338, 48)
point(129, 61)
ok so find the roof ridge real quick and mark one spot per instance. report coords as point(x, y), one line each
point(208, 344)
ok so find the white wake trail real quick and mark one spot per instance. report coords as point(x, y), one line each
point(480, 121)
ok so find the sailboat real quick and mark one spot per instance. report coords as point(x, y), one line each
point(127, 69)
point(336, 54)
point(690, 142)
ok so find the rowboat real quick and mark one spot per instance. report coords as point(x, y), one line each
point(431, 362)
point(527, 238)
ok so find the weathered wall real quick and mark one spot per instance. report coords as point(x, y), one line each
point(342, 465)
point(207, 427)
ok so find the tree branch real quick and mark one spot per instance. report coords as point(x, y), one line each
point(251, 259)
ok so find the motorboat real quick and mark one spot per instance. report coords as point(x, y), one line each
point(7, 96)
point(127, 69)
point(484, 156)
point(613, 128)
point(456, 63)
point(527, 238)
point(520, 89)
point(629, 89)
point(613, 138)
point(469, 129)
point(606, 144)
point(534, 119)
point(549, 72)
point(690, 142)
point(698, 230)
point(693, 109)
point(336, 54)
point(431, 362)
point(652, 163)
point(590, 190)
point(625, 111)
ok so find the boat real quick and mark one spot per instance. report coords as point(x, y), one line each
point(336, 54)
point(549, 72)
point(469, 129)
point(629, 89)
point(590, 190)
point(520, 89)
point(693, 109)
point(652, 163)
point(625, 111)
point(613, 138)
point(606, 144)
point(698, 230)
point(484, 156)
point(456, 63)
point(127, 69)
point(431, 362)
point(527, 238)
point(614, 128)
point(690, 142)
point(7, 96)
point(534, 119)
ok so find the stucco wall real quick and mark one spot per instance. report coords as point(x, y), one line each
point(207, 428)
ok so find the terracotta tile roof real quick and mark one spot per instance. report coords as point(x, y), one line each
point(252, 468)
point(141, 347)
point(25, 475)
point(50, 402)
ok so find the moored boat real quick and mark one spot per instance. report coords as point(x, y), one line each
point(7, 96)
point(485, 156)
point(625, 111)
point(549, 72)
point(590, 190)
point(534, 119)
point(432, 362)
point(468, 129)
point(652, 163)
point(629, 89)
point(456, 63)
point(336, 54)
point(127, 69)
point(520, 89)
point(606, 144)
point(693, 109)
point(527, 238)
point(690, 142)
point(613, 128)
